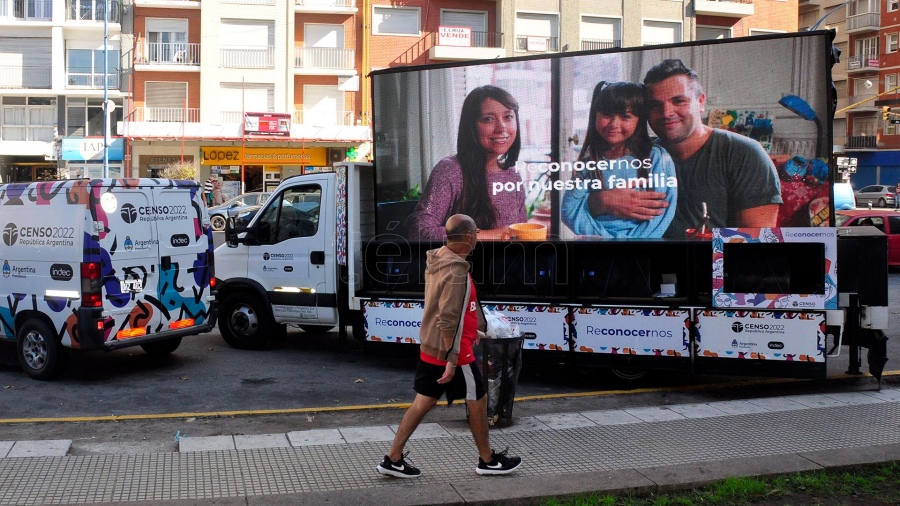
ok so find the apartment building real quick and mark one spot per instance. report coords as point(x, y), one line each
point(871, 61)
point(438, 31)
point(52, 80)
point(250, 91)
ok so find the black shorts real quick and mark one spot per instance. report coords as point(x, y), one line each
point(466, 384)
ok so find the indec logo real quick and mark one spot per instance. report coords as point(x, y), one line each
point(10, 234)
point(129, 213)
point(737, 327)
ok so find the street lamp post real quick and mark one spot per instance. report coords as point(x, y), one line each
point(106, 110)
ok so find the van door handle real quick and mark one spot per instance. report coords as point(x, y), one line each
point(317, 258)
point(165, 262)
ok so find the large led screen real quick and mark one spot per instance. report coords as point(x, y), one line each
point(656, 143)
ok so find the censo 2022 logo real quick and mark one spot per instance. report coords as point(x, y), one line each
point(129, 213)
point(10, 234)
point(737, 327)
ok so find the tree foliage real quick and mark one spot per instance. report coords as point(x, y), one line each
point(179, 170)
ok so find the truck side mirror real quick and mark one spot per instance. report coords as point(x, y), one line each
point(237, 234)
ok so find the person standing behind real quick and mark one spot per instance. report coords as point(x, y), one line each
point(208, 191)
point(487, 147)
point(452, 324)
point(897, 196)
point(617, 136)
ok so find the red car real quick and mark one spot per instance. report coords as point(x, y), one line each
point(886, 220)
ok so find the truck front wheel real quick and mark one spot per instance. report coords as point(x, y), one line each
point(244, 322)
point(41, 355)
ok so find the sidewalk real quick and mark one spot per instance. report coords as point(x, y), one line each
point(630, 450)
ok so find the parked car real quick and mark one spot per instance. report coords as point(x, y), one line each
point(880, 195)
point(887, 221)
point(218, 214)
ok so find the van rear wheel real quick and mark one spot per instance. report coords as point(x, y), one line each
point(40, 353)
point(244, 322)
point(160, 348)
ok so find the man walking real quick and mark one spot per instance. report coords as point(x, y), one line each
point(452, 323)
point(208, 188)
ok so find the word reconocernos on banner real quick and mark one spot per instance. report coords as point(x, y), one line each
point(653, 180)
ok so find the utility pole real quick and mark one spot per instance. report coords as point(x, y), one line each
point(106, 110)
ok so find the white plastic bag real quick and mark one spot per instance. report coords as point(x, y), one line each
point(499, 326)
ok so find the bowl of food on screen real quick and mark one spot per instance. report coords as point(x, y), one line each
point(528, 231)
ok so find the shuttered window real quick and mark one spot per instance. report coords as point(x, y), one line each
point(660, 32)
point(396, 21)
point(246, 33)
point(477, 21)
point(25, 62)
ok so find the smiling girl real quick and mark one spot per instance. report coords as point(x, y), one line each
point(617, 134)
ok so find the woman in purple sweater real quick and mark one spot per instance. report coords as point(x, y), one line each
point(487, 147)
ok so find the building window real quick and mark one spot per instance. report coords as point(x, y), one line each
point(84, 116)
point(713, 33)
point(84, 68)
point(892, 5)
point(761, 31)
point(27, 119)
point(660, 32)
point(396, 21)
point(537, 32)
point(166, 101)
point(891, 42)
point(255, 97)
point(600, 33)
point(167, 40)
point(477, 21)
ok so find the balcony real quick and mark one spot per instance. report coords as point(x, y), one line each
point(452, 43)
point(864, 22)
point(861, 142)
point(92, 80)
point(323, 118)
point(93, 10)
point(180, 54)
point(258, 57)
point(15, 77)
point(868, 106)
point(863, 63)
point(26, 10)
point(324, 61)
point(249, 2)
point(326, 6)
point(165, 115)
point(168, 4)
point(724, 8)
point(536, 43)
point(594, 44)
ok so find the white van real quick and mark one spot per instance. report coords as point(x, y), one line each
point(103, 264)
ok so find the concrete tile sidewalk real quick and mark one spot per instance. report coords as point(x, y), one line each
point(635, 449)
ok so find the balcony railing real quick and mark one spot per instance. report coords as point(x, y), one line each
point(166, 114)
point(479, 39)
point(259, 57)
point(170, 53)
point(861, 142)
point(249, 2)
point(27, 10)
point(870, 20)
point(228, 117)
point(91, 80)
point(93, 10)
point(24, 77)
point(592, 44)
point(343, 118)
point(536, 43)
point(324, 57)
point(325, 4)
point(863, 62)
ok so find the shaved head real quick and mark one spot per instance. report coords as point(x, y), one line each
point(458, 226)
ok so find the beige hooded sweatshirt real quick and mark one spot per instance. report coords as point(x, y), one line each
point(447, 292)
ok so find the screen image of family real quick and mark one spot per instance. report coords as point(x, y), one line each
point(649, 144)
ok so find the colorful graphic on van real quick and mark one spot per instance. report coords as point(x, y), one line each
point(152, 272)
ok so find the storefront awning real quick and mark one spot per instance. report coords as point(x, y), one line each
point(209, 132)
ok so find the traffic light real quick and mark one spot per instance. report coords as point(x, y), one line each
point(885, 112)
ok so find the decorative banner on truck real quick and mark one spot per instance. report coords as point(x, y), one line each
point(651, 332)
point(775, 268)
point(393, 321)
point(543, 327)
point(761, 335)
point(486, 145)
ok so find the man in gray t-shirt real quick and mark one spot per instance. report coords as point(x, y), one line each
point(732, 174)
